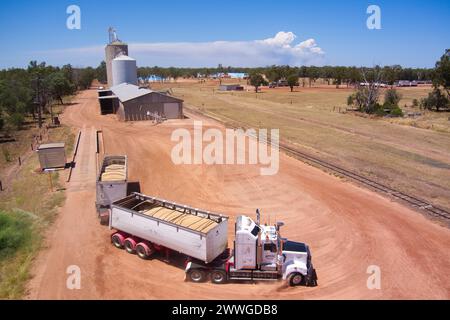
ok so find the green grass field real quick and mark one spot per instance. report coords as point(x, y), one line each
point(27, 208)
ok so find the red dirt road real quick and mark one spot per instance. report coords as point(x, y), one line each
point(348, 228)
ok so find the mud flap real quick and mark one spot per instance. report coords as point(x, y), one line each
point(311, 280)
point(103, 215)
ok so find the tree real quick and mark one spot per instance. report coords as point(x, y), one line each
point(367, 96)
point(327, 73)
point(174, 73)
point(354, 75)
point(59, 86)
point(371, 92)
point(100, 72)
point(15, 101)
point(392, 74)
point(357, 99)
point(313, 74)
point(391, 100)
point(68, 73)
point(441, 76)
point(339, 75)
point(392, 97)
point(257, 80)
point(441, 83)
point(87, 75)
point(436, 100)
point(292, 81)
point(272, 74)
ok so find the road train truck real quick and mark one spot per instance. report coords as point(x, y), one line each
point(145, 225)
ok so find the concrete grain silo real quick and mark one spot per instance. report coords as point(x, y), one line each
point(124, 70)
point(114, 48)
point(112, 51)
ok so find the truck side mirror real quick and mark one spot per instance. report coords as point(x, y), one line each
point(279, 225)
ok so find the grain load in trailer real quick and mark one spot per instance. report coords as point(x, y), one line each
point(111, 185)
point(198, 234)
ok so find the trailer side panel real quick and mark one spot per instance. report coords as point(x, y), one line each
point(113, 189)
point(189, 241)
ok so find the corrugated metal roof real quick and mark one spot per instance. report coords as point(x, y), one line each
point(51, 145)
point(127, 91)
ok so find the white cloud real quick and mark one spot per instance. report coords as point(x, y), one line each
point(280, 49)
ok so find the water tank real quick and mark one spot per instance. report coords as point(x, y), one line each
point(124, 70)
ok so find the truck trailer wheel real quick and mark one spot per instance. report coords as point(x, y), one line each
point(196, 275)
point(218, 277)
point(295, 279)
point(117, 239)
point(144, 251)
point(130, 245)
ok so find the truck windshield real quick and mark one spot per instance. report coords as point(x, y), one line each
point(294, 246)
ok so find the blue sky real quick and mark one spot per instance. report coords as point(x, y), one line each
point(237, 32)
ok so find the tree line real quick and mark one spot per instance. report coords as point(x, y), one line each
point(366, 97)
point(332, 74)
point(33, 91)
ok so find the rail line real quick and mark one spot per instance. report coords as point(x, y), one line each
point(379, 187)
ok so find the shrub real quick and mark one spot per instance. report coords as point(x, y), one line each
point(15, 232)
point(350, 100)
point(6, 154)
point(392, 97)
point(379, 110)
point(396, 112)
point(436, 100)
point(415, 102)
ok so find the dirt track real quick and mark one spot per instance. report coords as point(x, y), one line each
point(347, 228)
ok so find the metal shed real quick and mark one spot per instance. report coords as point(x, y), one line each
point(52, 155)
point(135, 103)
point(231, 87)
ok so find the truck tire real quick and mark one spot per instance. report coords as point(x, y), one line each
point(144, 251)
point(130, 245)
point(295, 279)
point(196, 275)
point(218, 277)
point(118, 239)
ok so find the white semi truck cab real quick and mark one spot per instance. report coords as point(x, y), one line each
point(259, 253)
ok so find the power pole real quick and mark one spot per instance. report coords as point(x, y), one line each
point(38, 100)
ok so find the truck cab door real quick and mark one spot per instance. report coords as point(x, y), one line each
point(269, 256)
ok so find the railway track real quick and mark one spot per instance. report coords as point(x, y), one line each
point(411, 200)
